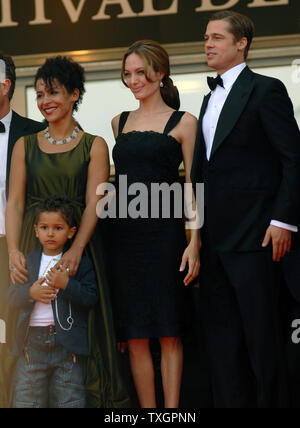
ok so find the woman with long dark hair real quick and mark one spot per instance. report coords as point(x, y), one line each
point(150, 249)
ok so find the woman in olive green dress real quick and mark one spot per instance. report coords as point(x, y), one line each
point(64, 160)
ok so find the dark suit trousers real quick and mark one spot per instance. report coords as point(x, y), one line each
point(239, 299)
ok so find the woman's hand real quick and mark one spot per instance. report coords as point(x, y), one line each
point(191, 256)
point(17, 267)
point(58, 277)
point(71, 260)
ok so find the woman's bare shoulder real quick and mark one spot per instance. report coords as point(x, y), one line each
point(19, 146)
point(189, 119)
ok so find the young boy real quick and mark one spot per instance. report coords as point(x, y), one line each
point(51, 340)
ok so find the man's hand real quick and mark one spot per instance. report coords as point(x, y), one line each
point(281, 241)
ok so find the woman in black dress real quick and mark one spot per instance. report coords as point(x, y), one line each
point(151, 250)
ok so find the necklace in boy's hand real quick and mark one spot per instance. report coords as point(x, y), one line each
point(58, 277)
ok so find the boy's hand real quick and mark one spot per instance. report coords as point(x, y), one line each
point(58, 277)
point(42, 294)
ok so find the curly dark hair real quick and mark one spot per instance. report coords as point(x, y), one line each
point(10, 72)
point(67, 72)
point(59, 204)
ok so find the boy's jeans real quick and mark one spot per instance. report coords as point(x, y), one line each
point(47, 374)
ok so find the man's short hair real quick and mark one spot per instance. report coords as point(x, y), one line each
point(239, 25)
point(10, 73)
point(59, 204)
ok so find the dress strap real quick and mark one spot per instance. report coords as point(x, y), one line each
point(30, 144)
point(122, 121)
point(173, 121)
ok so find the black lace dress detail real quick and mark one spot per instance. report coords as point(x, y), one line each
point(147, 251)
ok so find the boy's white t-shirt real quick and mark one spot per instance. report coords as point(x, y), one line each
point(42, 314)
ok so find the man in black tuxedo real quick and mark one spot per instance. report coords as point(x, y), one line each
point(247, 153)
point(12, 127)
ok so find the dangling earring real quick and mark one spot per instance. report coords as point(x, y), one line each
point(161, 84)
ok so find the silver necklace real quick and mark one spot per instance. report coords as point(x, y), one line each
point(70, 319)
point(65, 140)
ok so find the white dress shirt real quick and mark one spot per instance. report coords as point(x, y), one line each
point(212, 115)
point(3, 161)
point(216, 103)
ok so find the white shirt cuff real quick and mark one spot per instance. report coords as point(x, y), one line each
point(284, 226)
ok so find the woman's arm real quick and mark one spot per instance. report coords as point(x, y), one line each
point(98, 173)
point(15, 211)
point(187, 136)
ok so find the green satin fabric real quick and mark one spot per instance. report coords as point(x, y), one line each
point(65, 174)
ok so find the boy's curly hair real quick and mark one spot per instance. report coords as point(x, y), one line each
point(59, 204)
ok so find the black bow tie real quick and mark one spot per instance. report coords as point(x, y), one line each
point(2, 127)
point(213, 82)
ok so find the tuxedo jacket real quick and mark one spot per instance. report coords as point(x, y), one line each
point(19, 127)
point(253, 174)
point(81, 292)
